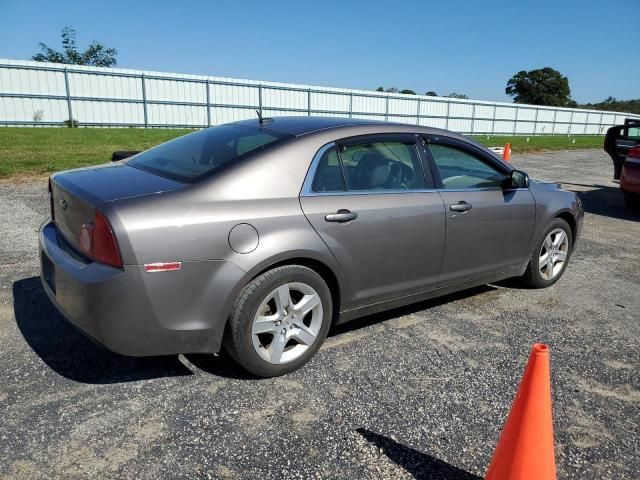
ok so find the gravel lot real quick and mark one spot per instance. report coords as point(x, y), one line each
point(417, 392)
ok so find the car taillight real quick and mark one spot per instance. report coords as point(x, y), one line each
point(98, 242)
point(53, 213)
point(634, 153)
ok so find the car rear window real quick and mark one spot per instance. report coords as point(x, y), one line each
point(198, 155)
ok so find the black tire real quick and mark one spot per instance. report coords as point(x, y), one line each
point(532, 276)
point(238, 340)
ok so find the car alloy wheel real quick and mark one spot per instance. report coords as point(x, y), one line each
point(287, 323)
point(553, 254)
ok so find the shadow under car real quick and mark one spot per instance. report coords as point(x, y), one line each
point(73, 355)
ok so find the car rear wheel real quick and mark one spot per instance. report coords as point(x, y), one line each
point(550, 256)
point(279, 321)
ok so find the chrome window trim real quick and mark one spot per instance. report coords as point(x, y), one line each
point(366, 192)
point(484, 189)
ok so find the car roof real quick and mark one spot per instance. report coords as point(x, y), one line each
point(304, 125)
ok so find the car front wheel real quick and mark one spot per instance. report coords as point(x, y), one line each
point(279, 321)
point(550, 256)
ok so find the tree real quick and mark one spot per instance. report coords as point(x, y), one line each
point(431, 93)
point(615, 105)
point(407, 91)
point(388, 90)
point(544, 86)
point(96, 53)
point(457, 95)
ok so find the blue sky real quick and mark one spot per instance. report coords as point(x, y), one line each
point(470, 47)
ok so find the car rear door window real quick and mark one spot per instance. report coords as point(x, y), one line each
point(382, 164)
point(460, 169)
point(328, 177)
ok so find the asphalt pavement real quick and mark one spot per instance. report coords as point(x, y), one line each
point(419, 392)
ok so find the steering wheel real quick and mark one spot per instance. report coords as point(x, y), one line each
point(400, 175)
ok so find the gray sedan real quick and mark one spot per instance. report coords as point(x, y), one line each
point(259, 235)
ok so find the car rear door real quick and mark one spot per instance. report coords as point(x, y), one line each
point(488, 227)
point(369, 200)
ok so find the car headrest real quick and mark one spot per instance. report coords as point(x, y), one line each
point(372, 171)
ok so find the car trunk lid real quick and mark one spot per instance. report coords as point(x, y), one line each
point(76, 194)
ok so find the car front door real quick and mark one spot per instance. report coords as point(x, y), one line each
point(619, 140)
point(488, 226)
point(370, 201)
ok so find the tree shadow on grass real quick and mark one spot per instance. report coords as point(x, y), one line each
point(418, 464)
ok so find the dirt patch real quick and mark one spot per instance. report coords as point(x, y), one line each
point(625, 393)
point(586, 431)
point(618, 365)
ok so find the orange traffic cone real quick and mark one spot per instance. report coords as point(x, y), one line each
point(506, 156)
point(525, 449)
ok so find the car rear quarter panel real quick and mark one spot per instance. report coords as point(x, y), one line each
point(192, 225)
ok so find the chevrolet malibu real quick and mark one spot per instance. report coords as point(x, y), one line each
point(259, 235)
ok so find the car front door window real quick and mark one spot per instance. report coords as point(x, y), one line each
point(460, 170)
point(633, 133)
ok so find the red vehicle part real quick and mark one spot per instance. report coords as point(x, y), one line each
point(630, 177)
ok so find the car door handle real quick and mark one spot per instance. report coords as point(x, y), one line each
point(461, 207)
point(341, 216)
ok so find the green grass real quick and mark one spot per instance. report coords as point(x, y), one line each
point(39, 151)
point(26, 152)
point(551, 142)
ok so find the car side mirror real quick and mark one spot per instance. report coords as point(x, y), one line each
point(517, 179)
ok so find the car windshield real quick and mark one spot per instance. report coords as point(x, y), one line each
point(201, 154)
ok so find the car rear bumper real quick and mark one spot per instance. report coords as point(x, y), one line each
point(136, 313)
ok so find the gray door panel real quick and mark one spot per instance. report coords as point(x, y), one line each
point(394, 246)
point(492, 236)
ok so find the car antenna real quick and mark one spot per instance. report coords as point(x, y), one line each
point(262, 119)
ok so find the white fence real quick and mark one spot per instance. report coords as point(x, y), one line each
point(33, 93)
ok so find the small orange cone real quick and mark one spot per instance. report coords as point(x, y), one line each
point(525, 449)
point(506, 156)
